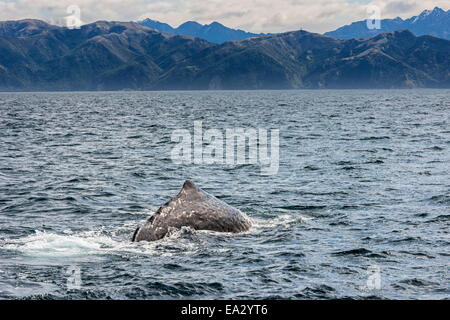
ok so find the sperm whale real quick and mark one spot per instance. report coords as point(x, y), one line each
point(194, 208)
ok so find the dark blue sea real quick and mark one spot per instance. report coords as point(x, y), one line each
point(359, 208)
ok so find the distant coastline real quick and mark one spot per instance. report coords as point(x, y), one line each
point(110, 56)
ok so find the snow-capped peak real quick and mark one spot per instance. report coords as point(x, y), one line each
point(435, 12)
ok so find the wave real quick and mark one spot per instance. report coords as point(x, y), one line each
point(440, 199)
point(117, 241)
point(45, 244)
point(283, 220)
point(98, 242)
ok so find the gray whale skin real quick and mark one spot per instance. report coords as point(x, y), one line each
point(194, 208)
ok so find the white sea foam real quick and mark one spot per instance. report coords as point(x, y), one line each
point(74, 245)
point(284, 220)
point(25, 288)
point(69, 244)
point(46, 244)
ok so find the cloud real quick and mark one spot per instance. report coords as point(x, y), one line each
point(400, 6)
point(251, 15)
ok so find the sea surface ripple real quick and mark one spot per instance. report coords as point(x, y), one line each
point(364, 183)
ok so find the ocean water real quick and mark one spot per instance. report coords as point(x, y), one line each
point(359, 208)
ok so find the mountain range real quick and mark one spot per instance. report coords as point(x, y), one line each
point(125, 55)
point(214, 32)
point(434, 22)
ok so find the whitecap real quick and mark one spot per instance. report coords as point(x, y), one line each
point(284, 220)
point(45, 244)
point(98, 242)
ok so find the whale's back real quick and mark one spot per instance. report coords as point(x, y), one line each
point(194, 208)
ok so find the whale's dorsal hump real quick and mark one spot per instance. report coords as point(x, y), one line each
point(196, 209)
point(188, 184)
point(190, 190)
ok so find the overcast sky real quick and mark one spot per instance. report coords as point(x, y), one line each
point(251, 15)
